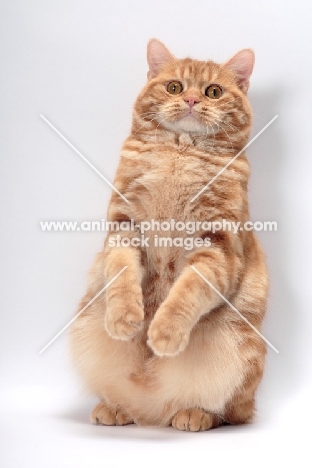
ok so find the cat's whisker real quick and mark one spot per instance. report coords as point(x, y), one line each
point(220, 126)
point(158, 126)
point(174, 115)
point(174, 102)
point(233, 127)
point(206, 136)
point(141, 126)
point(222, 103)
point(148, 113)
point(207, 131)
point(214, 135)
point(147, 117)
point(259, 116)
point(145, 124)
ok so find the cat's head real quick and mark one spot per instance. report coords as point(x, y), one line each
point(194, 96)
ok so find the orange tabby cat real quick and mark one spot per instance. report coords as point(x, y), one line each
point(160, 346)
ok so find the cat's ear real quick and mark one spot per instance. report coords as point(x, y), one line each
point(242, 65)
point(157, 56)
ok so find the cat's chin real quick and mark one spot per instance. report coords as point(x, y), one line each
point(188, 124)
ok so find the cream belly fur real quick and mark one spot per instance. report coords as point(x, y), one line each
point(204, 376)
point(151, 389)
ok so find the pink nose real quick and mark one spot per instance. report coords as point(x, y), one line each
point(191, 101)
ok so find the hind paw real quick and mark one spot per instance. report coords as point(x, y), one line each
point(193, 420)
point(105, 415)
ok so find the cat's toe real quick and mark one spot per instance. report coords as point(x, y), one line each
point(124, 324)
point(103, 414)
point(166, 340)
point(122, 419)
point(193, 420)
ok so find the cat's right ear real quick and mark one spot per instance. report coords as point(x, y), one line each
point(157, 56)
point(242, 65)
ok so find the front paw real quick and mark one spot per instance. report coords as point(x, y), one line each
point(167, 336)
point(123, 322)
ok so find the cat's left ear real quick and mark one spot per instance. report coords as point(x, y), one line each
point(242, 65)
point(157, 56)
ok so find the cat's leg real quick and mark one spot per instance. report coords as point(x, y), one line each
point(109, 416)
point(214, 380)
point(241, 408)
point(220, 369)
point(124, 300)
point(195, 420)
point(104, 363)
point(191, 297)
point(210, 275)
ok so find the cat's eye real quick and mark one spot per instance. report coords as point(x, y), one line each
point(213, 92)
point(174, 87)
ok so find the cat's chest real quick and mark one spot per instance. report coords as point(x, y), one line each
point(172, 176)
point(167, 188)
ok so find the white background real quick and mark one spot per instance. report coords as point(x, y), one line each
point(81, 64)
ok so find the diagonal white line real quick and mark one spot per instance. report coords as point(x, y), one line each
point(234, 308)
point(83, 309)
point(84, 158)
point(233, 159)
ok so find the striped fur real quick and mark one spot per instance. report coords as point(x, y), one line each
point(160, 346)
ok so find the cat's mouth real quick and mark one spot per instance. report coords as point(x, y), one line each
point(189, 114)
point(188, 120)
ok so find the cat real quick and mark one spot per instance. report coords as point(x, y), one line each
point(160, 346)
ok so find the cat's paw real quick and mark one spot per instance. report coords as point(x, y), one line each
point(193, 420)
point(125, 321)
point(167, 338)
point(107, 416)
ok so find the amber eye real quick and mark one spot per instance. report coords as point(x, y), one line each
point(174, 87)
point(213, 91)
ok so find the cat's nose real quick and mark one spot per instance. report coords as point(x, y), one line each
point(191, 101)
